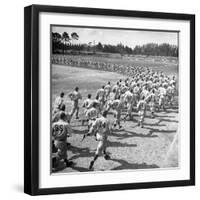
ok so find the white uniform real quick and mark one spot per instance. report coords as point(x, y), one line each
point(91, 113)
point(162, 95)
point(101, 127)
point(60, 131)
point(151, 98)
point(100, 94)
point(141, 110)
point(58, 102)
point(75, 97)
point(107, 90)
point(128, 99)
point(88, 103)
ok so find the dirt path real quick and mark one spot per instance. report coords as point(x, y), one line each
point(130, 148)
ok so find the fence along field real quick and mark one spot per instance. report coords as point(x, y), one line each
point(132, 147)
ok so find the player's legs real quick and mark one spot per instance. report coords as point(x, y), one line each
point(72, 111)
point(152, 109)
point(118, 118)
point(106, 156)
point(62, 152)
point(161, 103)
point(141, 118)
point(97, 153)
point(129, 111)
point(77, 111)
point(170, 98)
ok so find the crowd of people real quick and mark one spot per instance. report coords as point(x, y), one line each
point(144, 90)
point(91, 64)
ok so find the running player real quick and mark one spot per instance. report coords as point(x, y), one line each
point(162, 96)
point(116, 90)
point(92, 114)
point(136, 92)
point(128, 99)
point(151, 98)
point(100, 95)
point(117, 106)
point(141, 111)
point(107, 90)
point(59, 103)
point(87, 104)
point(75, 96)
point(101, 127)
point(169, 95)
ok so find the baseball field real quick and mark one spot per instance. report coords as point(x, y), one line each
point(130, 148)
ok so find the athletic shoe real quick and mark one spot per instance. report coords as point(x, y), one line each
point(106, 157)
point(69, 163)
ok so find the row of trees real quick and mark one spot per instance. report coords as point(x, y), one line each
point(64, 43)
point(156, 50)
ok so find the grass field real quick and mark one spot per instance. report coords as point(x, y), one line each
point(66, 78)
point(130, 148)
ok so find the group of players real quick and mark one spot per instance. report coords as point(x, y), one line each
point(146, 90)
point(122, 68)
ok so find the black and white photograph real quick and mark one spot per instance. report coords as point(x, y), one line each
point(109, 99)
point(114, 99)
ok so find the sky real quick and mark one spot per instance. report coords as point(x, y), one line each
point(130, 38)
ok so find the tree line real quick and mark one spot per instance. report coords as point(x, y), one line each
point(65, 43)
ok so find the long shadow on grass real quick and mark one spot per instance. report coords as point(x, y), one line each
point(126, 165)
point(165, 116)
point(119, 144)
point(129, 134)
point(166, 120)
point(80, 153)
point(80, 132)
point(154, 130)
point(155, 124)
point(85, 152)
point(160, 120)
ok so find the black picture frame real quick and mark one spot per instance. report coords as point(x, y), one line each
point(31, 98)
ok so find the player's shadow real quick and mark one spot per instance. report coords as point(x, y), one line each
point(148, 135)
point(165, 120)
point(80, 153)
point(155, 124)
point(165, 116)
point(154, 130)
point(160, 120)
point(129, 134)
point(80, 132)
point(126, 165)
point(119, 144)
point(168, 110)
